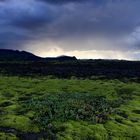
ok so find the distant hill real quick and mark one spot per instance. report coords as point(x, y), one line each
point(61, 58)
point(16, 55)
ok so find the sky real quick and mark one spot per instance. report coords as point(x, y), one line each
point(106, 29)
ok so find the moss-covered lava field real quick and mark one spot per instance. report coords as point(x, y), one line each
point(48, 108)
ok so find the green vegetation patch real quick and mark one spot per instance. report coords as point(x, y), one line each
point(69, 109)
point(68, 106)
point(7, 136)
point(79, 130)
point(21, 123)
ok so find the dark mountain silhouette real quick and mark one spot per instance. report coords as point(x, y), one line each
point(61, 58)
point(16, 55)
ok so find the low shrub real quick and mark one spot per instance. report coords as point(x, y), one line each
point(63, 107)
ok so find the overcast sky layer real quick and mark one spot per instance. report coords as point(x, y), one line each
point(107, 29)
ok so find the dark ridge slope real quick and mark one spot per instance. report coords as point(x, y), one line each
point(15, 55)
point(61, 58)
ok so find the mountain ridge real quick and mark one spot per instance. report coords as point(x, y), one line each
point(16, 55)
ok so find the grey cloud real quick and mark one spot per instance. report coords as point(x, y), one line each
point(67, 23)
point(95, 2)
point(62, 1)
point(20, 21)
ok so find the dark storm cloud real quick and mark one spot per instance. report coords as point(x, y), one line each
point(70, 23)
point(110, 19)
point(3, 0)
point(62, 1)
point(20, 21)
point(73, 1)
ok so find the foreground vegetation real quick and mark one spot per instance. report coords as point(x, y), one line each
point(69, 109)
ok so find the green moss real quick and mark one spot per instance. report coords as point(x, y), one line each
point(11, 109)
point(8, 136)
point(73, 130)
point(5, 103)
point(130, 109)
point(30, 114)
point(122, 131)
point(21, 123)
point(124, 124)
